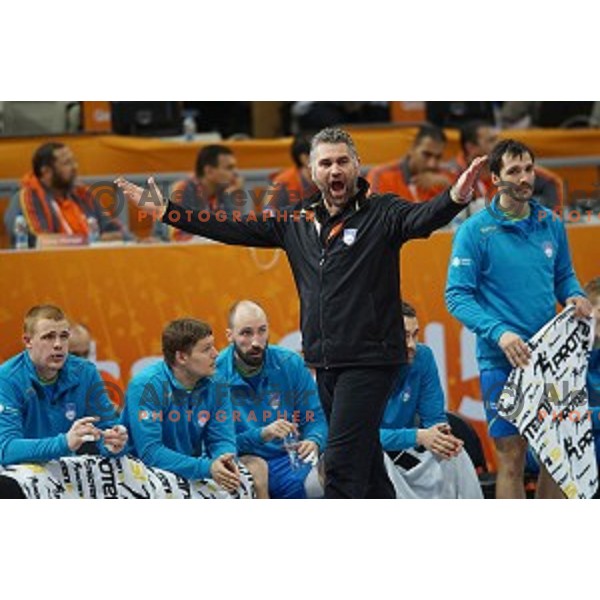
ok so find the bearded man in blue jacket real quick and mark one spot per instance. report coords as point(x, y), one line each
point(510, 265)
point(273, 396)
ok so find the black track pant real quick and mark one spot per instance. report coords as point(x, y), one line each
point(354, 400)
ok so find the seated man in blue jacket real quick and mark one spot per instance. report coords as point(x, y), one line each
point(274, 397)
point(415, 417)
point(51, 402)
point(171, 410)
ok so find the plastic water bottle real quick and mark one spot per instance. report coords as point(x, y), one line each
point(290, 443)
point(21, 232)
point(93, 230)
point(189, 128)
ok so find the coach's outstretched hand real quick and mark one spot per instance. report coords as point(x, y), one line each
point(462, 191)
point(148, 199)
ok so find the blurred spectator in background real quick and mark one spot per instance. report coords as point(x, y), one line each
point(312, 116)
point(80, 344)
point(216, 185)
point(53, 202)
point(456, 113)
point(477, 138)
point(417, 177)
point(567, 115)
point(293, 184)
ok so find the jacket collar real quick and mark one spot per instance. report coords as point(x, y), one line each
point(68, 376)
point(232, 375)
point(177, 385)
point(536, 209)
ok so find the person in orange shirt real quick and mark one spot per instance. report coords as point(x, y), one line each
point(80, 344)
point(215, 186)
point(292, 185)
point(477, 138)
point(418, 177)
point(52, 200)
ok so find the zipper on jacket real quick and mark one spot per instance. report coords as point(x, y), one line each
point(321, 264)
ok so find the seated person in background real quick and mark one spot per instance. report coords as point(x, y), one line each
point(445, 471)
point(592, 289)
point(216, 185)
point(477, 138)
point(171, 410)
point(53, 202)
point(417, 177)
point(293, 184)
point(51, 403)
point(274, 397)
point(80, 344)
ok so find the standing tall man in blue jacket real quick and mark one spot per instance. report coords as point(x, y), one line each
point(273, 396)
point(51, 403)
point(343, 248)
point(510, 264)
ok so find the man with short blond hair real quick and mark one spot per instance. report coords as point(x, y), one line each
point(51, 403)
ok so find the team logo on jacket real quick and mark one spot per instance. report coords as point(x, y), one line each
point(406, 395)
point(70, 411)
point(548, 249)
point(275, 400)
point(349, 236)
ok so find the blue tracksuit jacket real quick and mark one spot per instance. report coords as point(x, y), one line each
point(283, 389)
point(35, 418)
point(507, 276)
point(417, 393)
point(176, 429)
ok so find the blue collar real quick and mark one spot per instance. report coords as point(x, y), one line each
point(534, 218)
point(177, 385)
point(234, 377)
point(67, 377)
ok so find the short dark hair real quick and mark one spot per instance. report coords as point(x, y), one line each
point(209, 156)
point(332, 135)
point(44, 157)
point(300, 146)
point(408, 310)
point(430, 131)
point(592, 289)
point(512, 148)
point(469, 132)
point(182, 335)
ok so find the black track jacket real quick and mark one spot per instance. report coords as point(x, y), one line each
point(346, 269)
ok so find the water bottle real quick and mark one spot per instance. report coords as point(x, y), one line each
point(189, 128)
point(21, 232)
point(93, 230)
point(290, 443)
